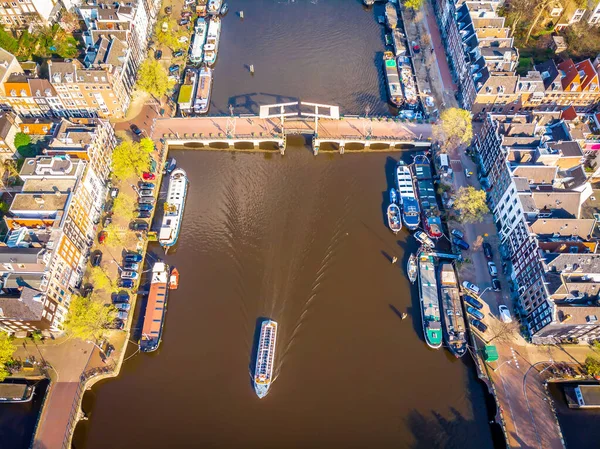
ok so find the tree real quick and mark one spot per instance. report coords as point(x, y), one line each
point(124, 206)
point(129, 159)
point(592, 366)
point(7, 349)
point(169, 38)
point(99, 279)
point(154, 79)
point(470, 204)
point(113, 236)
point(87, 319)
point(503, 332)
point(453, 129)
point(415, 5)
point(147, 145)
point(22, 140)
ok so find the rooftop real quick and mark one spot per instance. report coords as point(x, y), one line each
point(536, 174)
point(44, 166)
point(575, 315)
point(566, 263)
point(28, 307)
point(562, 204)
point(563, 227)
point(20, 255)
point(38, 202)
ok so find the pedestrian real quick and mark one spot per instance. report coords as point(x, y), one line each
point(431, 50)
point(394, 259)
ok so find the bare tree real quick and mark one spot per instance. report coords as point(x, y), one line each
point(503, 332)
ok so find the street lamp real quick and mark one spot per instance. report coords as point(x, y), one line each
point(505, 362)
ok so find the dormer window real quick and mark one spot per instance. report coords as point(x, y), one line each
point(13, 93)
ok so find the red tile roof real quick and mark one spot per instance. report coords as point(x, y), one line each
point(590, 75)
point(570, 71)
point(568, 114)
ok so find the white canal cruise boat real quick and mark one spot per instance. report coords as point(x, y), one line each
point(174, 205)
point(265, 357)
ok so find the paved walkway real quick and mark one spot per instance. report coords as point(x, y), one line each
point(348, 127)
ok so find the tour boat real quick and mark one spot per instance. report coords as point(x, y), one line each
point(196, 50)
point(214, 6)
point(455, 334)
point(392, 79)
point(411, 268)
point(391, 15)
point(203, 92)
point(393, 196)
point(430, 301)
point(394, 220)
point(408, 197)
point(265, 358)
point(174, 205)
point(211, 47)
point(156, 308)
point(174, 279)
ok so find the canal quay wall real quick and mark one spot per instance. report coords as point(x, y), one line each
point(255, 133)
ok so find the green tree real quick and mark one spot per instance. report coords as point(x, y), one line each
point(415, 5)
point(129, 159)
point(124, 206)
point(169, 38)
point(99, 279)
point(22, 140)
point(147, 145)
point(453, 129)
point(592, 366)
point(114, 236)
point(7, 349)
point(154, 79)
point(470, 204)
point(87, 318)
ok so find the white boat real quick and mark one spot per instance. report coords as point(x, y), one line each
point(394, 220)
point(174, 205)
point(202, 101)
point(424, 239)
point(211, 47)
point(411, 268)
point(408, 198)
point(393, 196)
point(214, 7)
point(265, 358)
point(398, 39)
point(197, 48)
point(391, 15)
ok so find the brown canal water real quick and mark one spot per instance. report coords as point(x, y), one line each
point(302, 240)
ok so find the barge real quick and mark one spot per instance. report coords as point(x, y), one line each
point(430, 301)
point(455, 334)
point(156, 308)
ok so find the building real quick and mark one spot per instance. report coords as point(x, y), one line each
point(9, 127)
point(29, 13)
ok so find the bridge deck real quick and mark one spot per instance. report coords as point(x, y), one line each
point(207, 128)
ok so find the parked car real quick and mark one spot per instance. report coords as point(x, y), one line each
point(183, 39)
point(145, 207)
point(458, 234)
point(144, 214)
point(122, 315)
point(133, 257)
point(476, 313)
point(121, 297)
point(107, 220)
point(146, 192)
point(471, 287)
point(117, 324)
point(108, 206)
point(146, 200)
point(129, 275)
point(178, 53)
point(183, 22)
point(114, 192)
point(158, 54)
point(135, 129)
point(125, 283)
point(122, 306)
point(174, 68)
point(495, 284)
point(492, 269)
point(147, 176)
point(504, 314)
point(132, 266)
point(102, 237)
point(460, 243)
point(87, 290)
point(487, 250)
point(473, 302)
point(139, 226)
point(96, 258)
point(147, 185)
point(168, 10)
point(186, 15)
point(479, 325)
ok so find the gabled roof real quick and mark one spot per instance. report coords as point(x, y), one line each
point(568, 149)
point(582, 228)
point(28, 307)
point(536, 174)
point(549, 72)
point(589, 75)
point(568, 72)
point(562, 204)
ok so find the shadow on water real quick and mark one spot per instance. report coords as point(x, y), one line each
point(254, 352)
point(250, 103)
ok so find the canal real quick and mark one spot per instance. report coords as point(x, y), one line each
point(301, 240)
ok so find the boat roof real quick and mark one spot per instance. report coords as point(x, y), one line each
point(155, 309)
point(185, 93)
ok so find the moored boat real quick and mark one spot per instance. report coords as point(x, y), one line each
point(185, 100)
point(427, 197)
point(265, 358)
point(211, 47)
point(411, 97)
point(156, 308)
point(398, 40)
point(430, 301)
point(171, 164)
point(16, 392)
point(408, 197)
point(422, 238)
point(201, 8)
point(393, 196)
point(393, 79)
point(174, 279)
point(196, 50)
point(224, 9)
point(202, 101)
point(391, 15)
point(173, 208)
point(411, 268)
point(455, 334)
point(393, 216)
point(214, 7)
